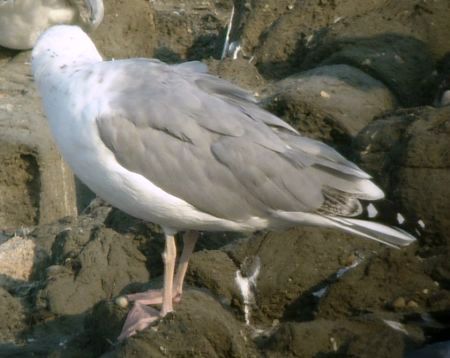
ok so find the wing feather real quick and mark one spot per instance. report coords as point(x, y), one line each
point(206, 141)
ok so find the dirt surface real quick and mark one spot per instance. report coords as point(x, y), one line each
point(361, 76)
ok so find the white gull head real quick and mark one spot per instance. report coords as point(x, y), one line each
point(60, 46)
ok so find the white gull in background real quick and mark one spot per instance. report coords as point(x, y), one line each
point(22, 21)
point(189, 151)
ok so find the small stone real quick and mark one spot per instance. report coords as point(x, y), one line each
point(54, 270)
point(121, 301)
point(334, 344)
point(412, 304)
point(16, 259)
point(324, 94)
point(399, 303)
point(350, 260)
point(445, 100)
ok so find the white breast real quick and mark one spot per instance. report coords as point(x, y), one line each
point(72, 120)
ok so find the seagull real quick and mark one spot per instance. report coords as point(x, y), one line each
point(21, 22)
point(176, 146)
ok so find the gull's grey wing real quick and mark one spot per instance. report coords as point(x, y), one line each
point(204, 147)
point(240, 98)
point(192, 66)
point(197, 72)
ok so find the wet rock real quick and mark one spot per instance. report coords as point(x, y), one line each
point(399, 46)
point(293, 268)
point(330, 103)
point(392, 42)
point(200, 326)
point(103, 326)
point(215, 271)
point(79, 262)
point(389, 280)
point(388, 343)
point(401, 63)
point(404, 18)
point(408, 154)
point(399, 303)
point(437, 350)
point(97, 264)
point(413, 304)
point(347, 338)
point(280, 44)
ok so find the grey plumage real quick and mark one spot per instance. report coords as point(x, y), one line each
point(208, 142)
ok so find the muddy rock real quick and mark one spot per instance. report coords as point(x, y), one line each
point(293, 269)
point(214, 270)
point(330, 103)
point(77, 263)
point(238, 71)
point(199, 327)
point(190, 29)
point(89, 263)
point(303, 292)
point(127, 30)
point(393, 42)
point(410, 150)
point(280, 44)
point(352, 338)
point(399, 46)
point(386, 277)
point(253, 19)
point(402, 63)
point(405, 18)
point(438, 350)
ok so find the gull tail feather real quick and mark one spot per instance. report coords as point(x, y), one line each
point(388, 235)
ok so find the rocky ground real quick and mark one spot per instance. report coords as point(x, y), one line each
point(366, 77)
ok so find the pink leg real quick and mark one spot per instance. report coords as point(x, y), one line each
point(169, 257)
point(141, 316)
point(189, 240)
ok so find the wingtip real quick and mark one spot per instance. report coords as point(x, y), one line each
point(372, 191)
point(388, 235)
